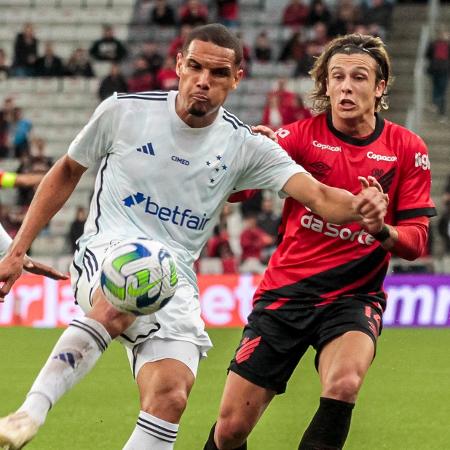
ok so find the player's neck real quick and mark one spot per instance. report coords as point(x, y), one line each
point(358, 127)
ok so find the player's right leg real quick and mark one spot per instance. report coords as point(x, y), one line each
point(166, 370)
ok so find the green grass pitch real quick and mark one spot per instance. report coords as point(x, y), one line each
point(404, 403)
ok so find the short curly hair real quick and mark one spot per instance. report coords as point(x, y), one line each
point(348, 45)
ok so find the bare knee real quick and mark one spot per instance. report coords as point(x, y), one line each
point(167, 402)
point(344, 387)
point(114, 321)
point(231, 431)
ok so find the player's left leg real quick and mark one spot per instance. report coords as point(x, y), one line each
point(343, 364)
point(166, 370)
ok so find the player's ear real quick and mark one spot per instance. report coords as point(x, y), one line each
point(179, 63)
point(237, 78)
point(380, 88)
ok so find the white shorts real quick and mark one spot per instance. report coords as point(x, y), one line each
point(179, 320)
point(156, 349)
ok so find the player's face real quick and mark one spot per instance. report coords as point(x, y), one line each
point(352, 87)
point(207, 74)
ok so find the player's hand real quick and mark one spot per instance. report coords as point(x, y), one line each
point(266, 131)
point(10, 269)
point(371, 204)
point(39, 268)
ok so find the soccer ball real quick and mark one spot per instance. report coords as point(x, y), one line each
point(138, 276)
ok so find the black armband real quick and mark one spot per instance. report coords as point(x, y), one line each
point(383, 234)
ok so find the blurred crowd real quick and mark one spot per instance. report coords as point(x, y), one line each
point(248, 232)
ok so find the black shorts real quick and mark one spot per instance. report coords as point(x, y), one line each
point(274, 341)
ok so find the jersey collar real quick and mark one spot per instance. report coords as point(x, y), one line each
point(379, 127)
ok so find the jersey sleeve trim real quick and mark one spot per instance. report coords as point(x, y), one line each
point(416, 212)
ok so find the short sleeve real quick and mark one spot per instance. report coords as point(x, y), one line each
point(413, 195)
point(94, 141)
point(267, 165)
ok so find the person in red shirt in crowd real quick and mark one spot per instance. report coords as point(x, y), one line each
point(167, 78)
point(228, 12)
point(177, 43)
point(295, 13)
point(141, 79)
point(324, 283)
point(300, 110)
point(281, 110)
point(253, 239)
point(194, 13)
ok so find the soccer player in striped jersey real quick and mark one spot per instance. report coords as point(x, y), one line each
point(168, 162)
point(324, 283)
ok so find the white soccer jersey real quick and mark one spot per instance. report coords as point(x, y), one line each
point(162, 179)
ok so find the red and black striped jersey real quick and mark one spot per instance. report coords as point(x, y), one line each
point(319, 261)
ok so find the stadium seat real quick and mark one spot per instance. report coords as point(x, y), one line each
point(210, 266)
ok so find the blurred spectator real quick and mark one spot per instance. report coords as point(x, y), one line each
point(300, 110)
point(25, 52)
point(306, 62)
point(295, 13)
point(6, 122)
point(141, 79)
point(162, 14)
point(154, 58)
point(228, 12)
point(79, 65)
point(262, 47)
point(438, 55)
point(274, 114)
point(167, 78)
point(76, 228)
point(378, 12)
point(267, 219)
point(35, 161)
point(177, 43)
point(253, 240)
point(113, 82)
point(293, 49)
point(444, 227)
point(49, 65)
point(193, 12)
point(108, 47)
point(347, 15)
point(19, 131)
point(446, 193)
point(4, 67)
point(252, 206)
point(269, 222)
point(319, 12)
point(319, 36)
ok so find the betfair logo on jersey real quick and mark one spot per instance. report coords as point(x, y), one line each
point(182, 217)
point(313, 223)
point(422, 161)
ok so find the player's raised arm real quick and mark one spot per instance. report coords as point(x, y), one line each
point(338, 205)
point(51, 195)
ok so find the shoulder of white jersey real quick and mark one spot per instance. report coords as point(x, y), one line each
point(155, 96)
point(235, 122)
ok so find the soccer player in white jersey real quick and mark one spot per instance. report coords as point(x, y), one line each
point(168, 162)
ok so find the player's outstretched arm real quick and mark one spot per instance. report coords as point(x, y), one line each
point(338, 205)
point(50, 196)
